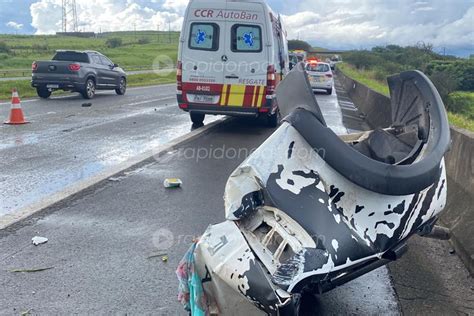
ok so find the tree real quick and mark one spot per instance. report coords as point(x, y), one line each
point(4, 48)
point(297, 44)
point(114, 42)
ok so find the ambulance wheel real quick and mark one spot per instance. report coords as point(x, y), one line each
point(329, 91)
point(273, 119)
point(197, 118)
point(43, 93)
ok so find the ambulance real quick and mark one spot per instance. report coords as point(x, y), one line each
point(231, 57)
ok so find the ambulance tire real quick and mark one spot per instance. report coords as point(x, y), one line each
point(273, 119)
point(197, 118)
point(329, 91)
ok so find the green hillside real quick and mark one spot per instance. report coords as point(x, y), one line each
point(136, 50)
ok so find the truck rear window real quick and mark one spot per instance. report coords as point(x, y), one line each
point(71, 56)
point(204, 36)
point(246, 38)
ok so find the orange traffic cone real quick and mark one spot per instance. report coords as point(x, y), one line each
point(16, 113)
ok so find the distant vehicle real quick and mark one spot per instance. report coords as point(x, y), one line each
point(301, 55)
point(77, 71)
point(231, 57)
point(334, 60)
point(320, 76)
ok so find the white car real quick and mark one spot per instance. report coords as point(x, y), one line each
point(320, 76)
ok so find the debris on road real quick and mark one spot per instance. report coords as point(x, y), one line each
point(37, 240)
point(30, 270)
point(25, 313)
point(164, 258)
point(86, 105)
point(172, 183)
point(114, 179)
point(452, 251)
point(157, 255)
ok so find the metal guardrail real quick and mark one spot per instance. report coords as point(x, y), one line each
point(15, 73)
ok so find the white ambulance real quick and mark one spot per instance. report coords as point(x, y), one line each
point(232, 55)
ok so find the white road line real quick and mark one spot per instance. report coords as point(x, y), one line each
point(151, 100)
point(75, 95)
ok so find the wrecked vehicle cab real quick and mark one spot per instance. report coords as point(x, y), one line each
point(310, 210)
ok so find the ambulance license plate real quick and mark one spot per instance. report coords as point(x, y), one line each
point(202, 98)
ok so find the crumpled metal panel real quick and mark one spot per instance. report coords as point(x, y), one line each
point(348, 223)
point(231, 275)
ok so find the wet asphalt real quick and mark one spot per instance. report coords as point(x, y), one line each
point(106, 246)
point(67, 142)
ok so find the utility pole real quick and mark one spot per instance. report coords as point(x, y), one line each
point(158, 33)
point(169, 30)
point(135, 30)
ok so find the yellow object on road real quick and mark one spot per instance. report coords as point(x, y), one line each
point(172, 183)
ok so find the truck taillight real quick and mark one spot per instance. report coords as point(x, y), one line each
point(34, 66)
point(179, 76)
point(271, 79)
point(74, 67)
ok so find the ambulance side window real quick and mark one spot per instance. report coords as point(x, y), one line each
point(246, 38)
point(204, 36)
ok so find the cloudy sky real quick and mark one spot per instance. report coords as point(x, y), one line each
point(338, 24)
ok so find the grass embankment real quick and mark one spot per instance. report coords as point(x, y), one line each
point(137, 50)
point(26, 91)
point(461, 100)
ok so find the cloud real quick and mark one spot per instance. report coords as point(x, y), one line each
point(342, 24)
point(14, 25)
point(362, 24)
point(176, 5)
point(104, 15)
point(46, 16)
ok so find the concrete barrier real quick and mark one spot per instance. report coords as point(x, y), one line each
point(459, 213)
point(374, 106)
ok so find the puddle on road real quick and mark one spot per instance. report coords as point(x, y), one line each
point(19, 140)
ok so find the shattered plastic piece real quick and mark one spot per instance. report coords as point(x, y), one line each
point(190, 292)
point(164, 258)
point(172, 183)
point(39, 240)
point(157, 255)
point(114, 179)
point(86, 105)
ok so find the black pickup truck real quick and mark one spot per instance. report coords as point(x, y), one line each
point(77, 71)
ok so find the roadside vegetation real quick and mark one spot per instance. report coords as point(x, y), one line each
point(453, 77)
point(26, 91)
point(131, 50)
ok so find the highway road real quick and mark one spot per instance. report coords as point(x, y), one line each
point(66, 142)
point(103, 241)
